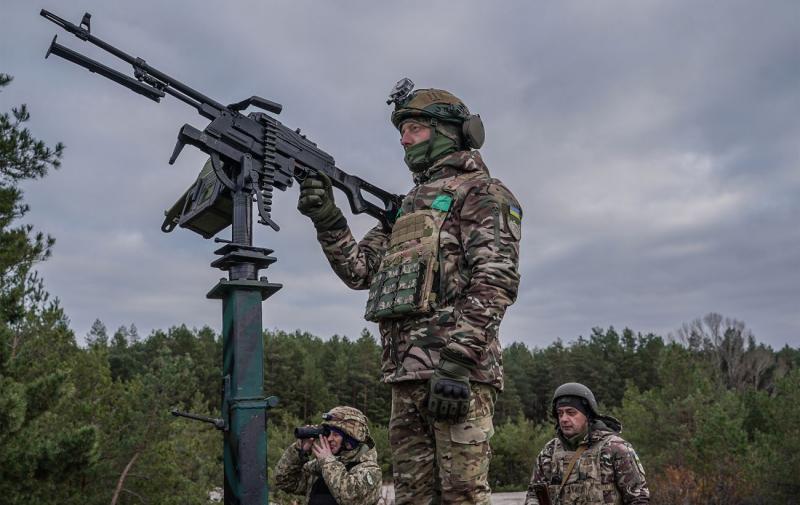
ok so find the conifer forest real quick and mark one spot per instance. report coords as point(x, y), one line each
point(713, 414)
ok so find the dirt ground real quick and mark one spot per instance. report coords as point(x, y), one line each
point(497, 498)
point(508, 498)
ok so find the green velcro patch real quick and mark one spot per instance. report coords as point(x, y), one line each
point(442, 202)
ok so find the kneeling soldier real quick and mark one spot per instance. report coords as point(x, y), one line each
point(344, 468)
point(588, 463)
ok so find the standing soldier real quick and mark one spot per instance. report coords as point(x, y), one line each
point(588, 463)
point(344, 468)
point(439, 284)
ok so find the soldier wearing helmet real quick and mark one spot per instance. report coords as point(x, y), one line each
point(439, 284)
point(588, 463)
point(340, 467)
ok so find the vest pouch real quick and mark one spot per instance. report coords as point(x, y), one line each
point(374, 290)
point(404, 284)
point(404, 288)
point(585, 483)
point(387, 293)
point(408, 295)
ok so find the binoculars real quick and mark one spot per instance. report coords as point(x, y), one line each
point(304, 432)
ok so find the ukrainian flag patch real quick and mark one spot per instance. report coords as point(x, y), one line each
point(513, 217)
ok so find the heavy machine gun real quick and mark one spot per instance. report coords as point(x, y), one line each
point(249, 156)
point(254, 151)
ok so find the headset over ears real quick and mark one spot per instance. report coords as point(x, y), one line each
point(472, 129)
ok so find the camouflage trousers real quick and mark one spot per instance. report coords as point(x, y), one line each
point(436, 462)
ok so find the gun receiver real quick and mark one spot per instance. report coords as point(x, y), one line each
point(253, 152)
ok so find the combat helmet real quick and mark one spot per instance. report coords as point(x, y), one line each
point(579, 390)
point(440, 108)
point(351, 421)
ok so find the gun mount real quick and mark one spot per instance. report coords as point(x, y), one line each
point(249, 156)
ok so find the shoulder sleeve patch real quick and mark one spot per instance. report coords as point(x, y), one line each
point(512, 216)
point(638, 461)
point(442, 203)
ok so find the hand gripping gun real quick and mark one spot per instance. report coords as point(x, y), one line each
point(252, 152)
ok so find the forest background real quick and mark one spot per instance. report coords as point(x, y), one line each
point(713, 414)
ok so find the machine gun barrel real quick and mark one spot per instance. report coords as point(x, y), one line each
point(83, 33)
point(142, 71)
point(97, 67)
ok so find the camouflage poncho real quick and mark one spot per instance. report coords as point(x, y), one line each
point(353, 477)
point(607, 472)
point(478, 277)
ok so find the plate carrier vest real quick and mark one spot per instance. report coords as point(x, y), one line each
point(404, 284)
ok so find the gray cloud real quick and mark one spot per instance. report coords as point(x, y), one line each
point(653, 146)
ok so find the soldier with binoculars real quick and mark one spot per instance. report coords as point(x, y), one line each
point(332, 463)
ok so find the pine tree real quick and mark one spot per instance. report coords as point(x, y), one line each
point(22, 157)
point(41, 453)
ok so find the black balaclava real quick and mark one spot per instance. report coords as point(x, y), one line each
point(575, 402)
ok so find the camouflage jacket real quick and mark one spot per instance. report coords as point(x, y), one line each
point(478, 277)
point(353, 477)
point(608, 471)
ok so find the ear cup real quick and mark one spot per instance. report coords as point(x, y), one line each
point(473, 131)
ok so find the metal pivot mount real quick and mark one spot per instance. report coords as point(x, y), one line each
point(242, 293)
point(244, 405)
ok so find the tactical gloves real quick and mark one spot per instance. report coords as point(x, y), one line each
point(316, 202)
point(449, 389)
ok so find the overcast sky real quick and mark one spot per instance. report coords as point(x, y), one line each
point(653, 146)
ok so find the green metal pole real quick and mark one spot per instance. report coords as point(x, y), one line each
point(243, 405)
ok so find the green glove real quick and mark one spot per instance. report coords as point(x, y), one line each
point(316, 202)
point(450, 392)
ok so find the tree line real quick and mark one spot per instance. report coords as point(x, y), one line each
point(713, 414)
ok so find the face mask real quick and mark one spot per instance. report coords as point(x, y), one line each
point(418, 158)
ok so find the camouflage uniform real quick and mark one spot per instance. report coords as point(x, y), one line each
point(476, 280)
point(608, 471)
point(351, 477)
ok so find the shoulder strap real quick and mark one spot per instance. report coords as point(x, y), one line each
point(571, 465)
point(456, 182)
point(461, 185)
